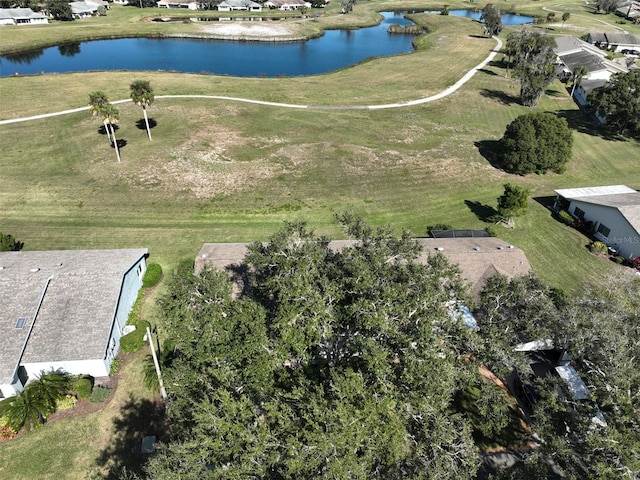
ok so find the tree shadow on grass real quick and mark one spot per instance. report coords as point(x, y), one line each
point(103, 131)
point(547, 202)
point(499, 96)
point(584, 122)
point(138, 418)
point(488, 72)
point(484, 213)
point(141, 125)
point(490, 150)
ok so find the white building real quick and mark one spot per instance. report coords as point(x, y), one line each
point(64, 310)
point(614, 213)
point(241, 5)
point(21, 16)
point(172, 4)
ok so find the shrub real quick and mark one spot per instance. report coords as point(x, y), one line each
point(82, 387)
point(6, 432)
point(115, 366)
point(152, 276)
point(438, 226)
point(491, 230)
point(99, 394)
point(598, 248)
point(69, 401)
point(565, 217)
point(619, 260)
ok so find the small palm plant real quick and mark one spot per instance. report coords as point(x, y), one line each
point(142, 95)
point(31, 407)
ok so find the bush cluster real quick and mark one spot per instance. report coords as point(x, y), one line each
point(99, 394)
point(82, 387)
point(6, 432)
point(598, 248)
point(565, 217)
point(152, 276)
point(69, 401)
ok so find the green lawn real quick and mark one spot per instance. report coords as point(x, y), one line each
point(222, 171)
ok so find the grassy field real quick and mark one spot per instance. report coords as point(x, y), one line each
point(221, 171)
point(224, 171)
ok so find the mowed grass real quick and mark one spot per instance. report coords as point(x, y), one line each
point(220, 171)
point(79, 447)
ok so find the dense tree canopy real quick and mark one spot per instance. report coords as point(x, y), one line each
point(348, 363)
point(533, 57)
point(59, 9)
point(491, 19)
point(607, 6)
point(618, 101)
point(600, 331)
point(536, 142)
point(335, 364)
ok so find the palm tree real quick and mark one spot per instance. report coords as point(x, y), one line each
point(27, 409)
point(52, 386)
point(578, 74)
point(142, 95)
point(111, 115)
point(97, 102)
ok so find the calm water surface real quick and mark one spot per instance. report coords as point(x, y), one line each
point(335, 50)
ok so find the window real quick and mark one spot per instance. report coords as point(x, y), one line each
point(578, 213)
point(603, 230)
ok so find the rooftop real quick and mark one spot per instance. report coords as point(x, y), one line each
point(76, 291)
point(478, 258)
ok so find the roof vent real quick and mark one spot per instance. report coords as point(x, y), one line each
point(34, 270)
point(1, 267)
point(500, 247)
point(60, 264)
point(477, 249)
point(510, 246)
point(440, 249)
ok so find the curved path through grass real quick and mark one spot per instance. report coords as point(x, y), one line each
point(409, 103)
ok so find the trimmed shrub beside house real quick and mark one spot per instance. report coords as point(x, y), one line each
point(565, 217)
point(598, 248)
point(82, 387)
point(152, 276)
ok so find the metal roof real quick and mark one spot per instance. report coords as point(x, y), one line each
point(571, 193)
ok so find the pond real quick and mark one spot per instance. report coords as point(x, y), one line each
point(509, 19)
point(335, 50)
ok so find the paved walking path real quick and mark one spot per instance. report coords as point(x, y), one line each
point(584, 16)
point(409, 103)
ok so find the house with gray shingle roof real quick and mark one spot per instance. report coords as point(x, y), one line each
point(614, 213)
point(64, 310)
point(21, 16)
point(479, 258)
